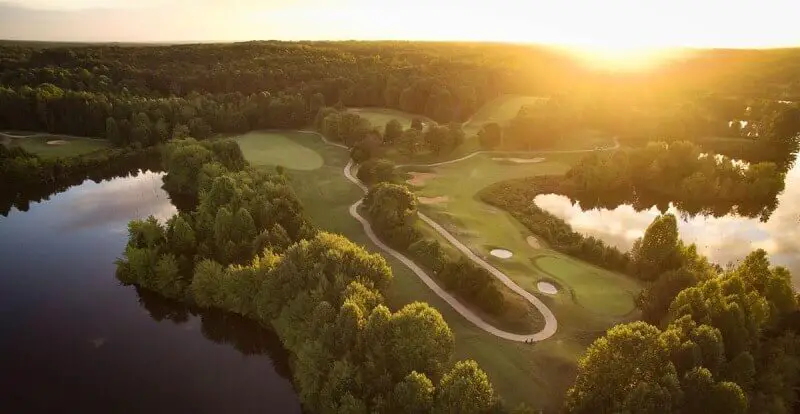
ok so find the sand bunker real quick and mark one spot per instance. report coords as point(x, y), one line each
point(533, 242)
point(547, 288)
point(418, 179)
point(520, 160)
point(432, 200)
point(501, 253)
point(57, 142)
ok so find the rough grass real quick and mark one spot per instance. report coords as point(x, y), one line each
point(378, 117)
point(38, 144)
point(535, 374)
point(273, 149)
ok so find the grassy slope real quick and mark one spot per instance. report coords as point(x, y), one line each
point(273, 148)
point(74, 146)
point(500, 110)
point(536, 374)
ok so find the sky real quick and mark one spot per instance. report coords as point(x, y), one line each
point(608, 24)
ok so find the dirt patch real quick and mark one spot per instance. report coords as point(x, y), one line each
point(533, 242)
point(418, 179)
point(520, 160)
point(57, 142)
point(433, 200)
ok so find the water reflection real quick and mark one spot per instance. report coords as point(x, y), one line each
point(724, 239)
point(72, 338)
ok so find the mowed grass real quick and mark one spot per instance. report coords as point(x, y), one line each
point(598, 290)
point(590, 300)
point(265, 148)
point(500, 110)
point(54, 146)
point(378, 117)
point(537, 374)
point(484, 228)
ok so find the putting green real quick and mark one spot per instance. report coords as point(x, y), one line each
point(596, 289)
point(270, 148)
point(54, 146)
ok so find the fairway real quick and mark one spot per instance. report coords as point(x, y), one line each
point(378, 117)
point(500, 110)
point(54, 146)
point(596, 289)
point(535, 374)
point(273, 149)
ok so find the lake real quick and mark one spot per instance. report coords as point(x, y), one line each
point(73, 339)
point(724, 240)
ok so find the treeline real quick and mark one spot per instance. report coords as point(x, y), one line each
point(679, 173)
point(368, 142)
point(248, 249)
point(127, 120)
point(27, 178)
point(516, 197)
point(727, 341)
point(392, 211)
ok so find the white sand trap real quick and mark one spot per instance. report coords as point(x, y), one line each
point(520, 160)
point(432, 200)
point(418, 179)
point(546, 288)
point(501, 253)
point(533, 242)
point(57, 142)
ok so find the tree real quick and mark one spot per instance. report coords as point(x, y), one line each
point(628, 358)
point(112, 132)
point(465, 389)
point(439, 139)
point(658, 250)
point(207, 284)
point(416, 124)
point(392, 132)
point(410, 142)
point(426, 354)
point(376, 171)
point(490, 136)
point(414, 395)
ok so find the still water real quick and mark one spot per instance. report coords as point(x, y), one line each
point(724, 240)
point(72, 339)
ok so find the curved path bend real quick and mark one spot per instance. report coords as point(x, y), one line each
point(550, 323)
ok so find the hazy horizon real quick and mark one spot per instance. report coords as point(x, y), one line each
point(615, 24)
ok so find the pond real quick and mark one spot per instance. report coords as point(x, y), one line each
point(724, 240)
point(73, 339)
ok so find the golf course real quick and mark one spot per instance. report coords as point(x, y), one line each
point(585, 302)
point(52, 146)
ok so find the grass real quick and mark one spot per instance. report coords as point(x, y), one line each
point(590, 300)
point(273, 149)
point(378, 117)
point(590, 284)
point(500, 110)
point(38, 144)
point(535, 374)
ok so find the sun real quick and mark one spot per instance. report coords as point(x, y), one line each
point(623, 58)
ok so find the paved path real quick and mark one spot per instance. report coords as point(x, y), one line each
point(550, 324)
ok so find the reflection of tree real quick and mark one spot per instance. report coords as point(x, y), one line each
point(246, 335)
point(20, 194)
